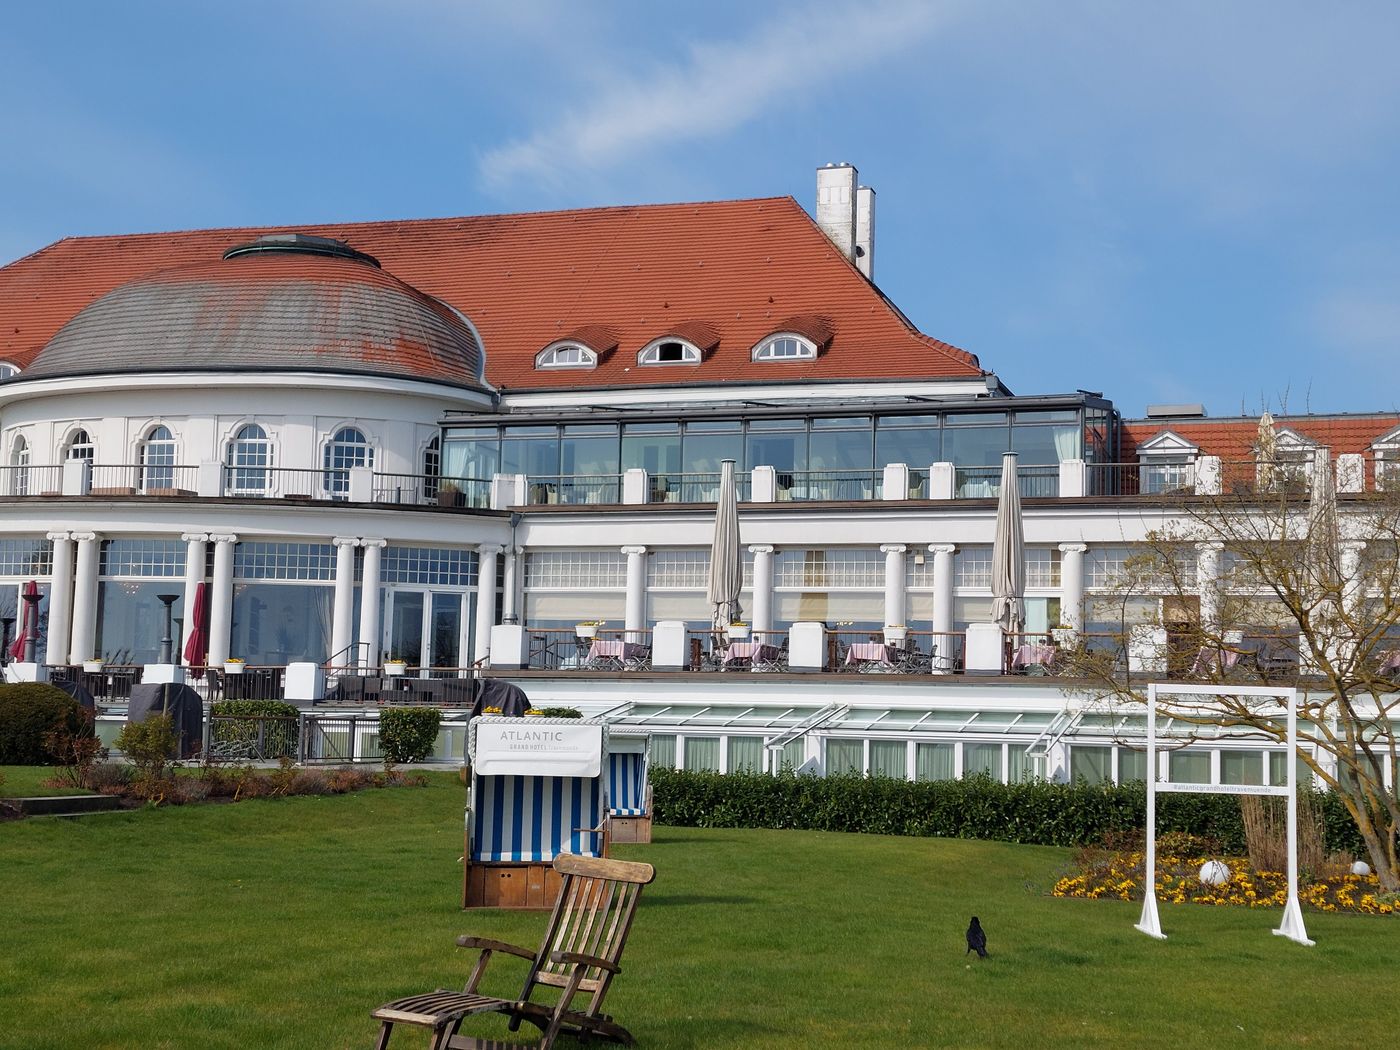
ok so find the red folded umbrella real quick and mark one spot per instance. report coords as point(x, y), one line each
point(197, 648)
point(28, 622)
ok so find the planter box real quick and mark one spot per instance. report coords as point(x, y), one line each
point(453, 498)
point(394, 668)
point(737, 633)
point(896, 635)
point(92, 666)
point(585, 631)
point(234, 666)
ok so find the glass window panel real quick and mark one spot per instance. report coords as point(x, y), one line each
point(972, 567)
point(975, 446)
point(844, 756)
point(794, 754)
point(955, 419)
point(1278, 771)
point(1241, 767)
point(131, 621)
point(898, 441)
point(1045, 445)
point(565, 608)
point(530, 450)
point(777, 443)
point(284, 561)
point(1132, 765)
point(982, 758)
point(889, 758)
point(442, 567)
point(1090, 764)
point(26, 558)
point(702, 752)
point(663, 750)
point(933, 761)
point(142, 558)
point(705, 450)
point(589, 450)
point(745, 754)
point(653, 447)
point(848, 449)
point(1021, 766)
point(471, 453)
point(278, 624)
point(1190, 767)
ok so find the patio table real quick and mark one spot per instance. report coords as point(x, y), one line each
point(607, 651)
point(1210, 658)
point(869, 653)
point(749, 652)
point(1039, 655)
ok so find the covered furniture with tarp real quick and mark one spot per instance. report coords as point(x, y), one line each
point(629, 789)
point(184, 706)
point(538, 790)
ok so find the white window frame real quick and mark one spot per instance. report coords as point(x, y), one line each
point(8, 370)
point(19, 461)
point(806, 350)
point(75, 449)
point(235, 468)
point(650, 354)
point(167, 453)
point(566, 354)
point(335, 474)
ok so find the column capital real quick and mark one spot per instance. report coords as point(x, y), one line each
point(346, 541)
point(1073, 548)
point(1352, 546)
point(223, 537)
point(761, 548)
point(55, 537)
point(489, 548)
point(893, 548)
point(1210, 546)
point(942, 548)
point(83, 537)
point(374, 543)
point(195, 537)
point(633, 549)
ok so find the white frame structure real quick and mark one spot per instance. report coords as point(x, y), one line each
point(1292, 924)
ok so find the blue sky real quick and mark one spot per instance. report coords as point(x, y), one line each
point(1184, 202)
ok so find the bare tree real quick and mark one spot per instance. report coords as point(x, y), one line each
point(1269, 584)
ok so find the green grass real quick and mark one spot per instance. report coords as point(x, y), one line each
point(27, 782)
point(276, 924)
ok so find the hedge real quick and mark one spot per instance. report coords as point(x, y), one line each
point(408, 734)
point(1034, 812)
point(279, 738)
point(28, 710)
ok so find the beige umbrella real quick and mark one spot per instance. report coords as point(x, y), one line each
point(1323, 539)
point(1009, 553)
point(1266, 451)
point(726, 567)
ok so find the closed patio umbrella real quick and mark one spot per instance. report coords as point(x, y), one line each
point(28, 621)
point(1266, 447)
point(1323, 540)
point(1009, 553)
point(198, 645)
point(726, 567)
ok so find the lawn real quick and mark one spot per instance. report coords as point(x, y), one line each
point(282, 923)
point(27, 782)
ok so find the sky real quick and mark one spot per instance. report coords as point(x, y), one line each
point(1166, 202)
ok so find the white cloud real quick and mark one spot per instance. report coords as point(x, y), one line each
point(712, 89)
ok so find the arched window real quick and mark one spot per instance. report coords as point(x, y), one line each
point(347, 448)
point(80, 446)
point(158, 460)
point(432, 468)
point(566, 355)
point(249, 457)
point(19, 467)
point(669, 352)
point(785, 347)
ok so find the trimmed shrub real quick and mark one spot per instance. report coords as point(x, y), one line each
point(555, 712)
point(1033, 812)
point(28, 712)
point(278, 739)
point(149, 746)
point(408, 734)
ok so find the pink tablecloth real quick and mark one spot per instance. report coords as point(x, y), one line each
point(1210, 659)
point(751, 651)
point(1035, 656)
point(1390, 662)
point(616, 649)
point(869, 652)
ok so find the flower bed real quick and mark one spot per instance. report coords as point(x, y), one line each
point(1119, 874)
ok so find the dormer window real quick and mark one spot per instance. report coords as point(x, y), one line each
point(8, 370)
point(669, 352)
point(566, 355)
point(785, 347)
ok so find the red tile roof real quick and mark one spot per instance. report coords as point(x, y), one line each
point(1234, 439)
point(740, 268)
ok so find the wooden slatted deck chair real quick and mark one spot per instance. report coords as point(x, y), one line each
point(580, 955)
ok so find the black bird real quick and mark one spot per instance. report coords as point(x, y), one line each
point(976, 939)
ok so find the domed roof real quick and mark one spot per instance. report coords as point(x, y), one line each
point(288, 303)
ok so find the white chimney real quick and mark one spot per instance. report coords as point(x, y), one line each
point(836, 206)
point(865, 231)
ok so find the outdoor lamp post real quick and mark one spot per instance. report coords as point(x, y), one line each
point(167, 642)
point(7, 626)
point(31, 637)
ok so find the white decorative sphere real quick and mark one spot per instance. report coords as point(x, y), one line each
point(1361, 868)
point(1214, 873)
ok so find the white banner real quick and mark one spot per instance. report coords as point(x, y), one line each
point(549, 750)
point(1222, 789)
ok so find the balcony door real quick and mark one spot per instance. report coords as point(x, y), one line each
point(426, 628)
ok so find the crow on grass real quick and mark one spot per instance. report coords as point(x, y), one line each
point(976, 939)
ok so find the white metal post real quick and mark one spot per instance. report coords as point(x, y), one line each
point(1292, 924)
point(1150, 923)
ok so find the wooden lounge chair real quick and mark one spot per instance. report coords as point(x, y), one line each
point(579, 955)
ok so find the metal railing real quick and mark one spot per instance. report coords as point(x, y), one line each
point(1037, 481)
point(149, 479)
point(31, 481)
point(286, 483)
point(1140, 479)
point(573, 489)
point(696, 487)
point(251, 738)
point(828, 485)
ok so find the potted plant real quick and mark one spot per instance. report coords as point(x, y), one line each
point(234, 665)
point(896, 633)
point(738, 632)
point(394, 667)
point(450, 494)
point(93, 666)
point(1063, 635)
point(588, 628)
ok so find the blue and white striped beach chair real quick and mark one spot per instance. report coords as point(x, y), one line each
point(629, 792)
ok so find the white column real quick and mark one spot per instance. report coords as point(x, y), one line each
point(762, 587)
point(369, 604)
point(1208, 582)
point(196, 544)
point(1072, 585)
point(942, 586)
point(894, 582)
point(221, 598)
point(85, 598)
point(485, 599)
point(60, 599)
point(343, 610)
point(636, 588)
point(510, 587)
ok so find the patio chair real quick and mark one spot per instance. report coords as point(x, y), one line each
point(579, 955)
point(214, 684)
